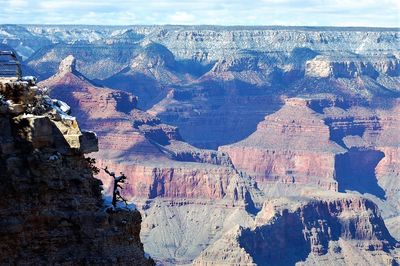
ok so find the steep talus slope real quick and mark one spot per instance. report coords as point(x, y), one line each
point(335, 229)
point(52, 211)
point(178, 231)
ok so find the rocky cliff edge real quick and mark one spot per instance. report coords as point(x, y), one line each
point(51, 210)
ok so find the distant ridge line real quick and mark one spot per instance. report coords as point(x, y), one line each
point(220, 27)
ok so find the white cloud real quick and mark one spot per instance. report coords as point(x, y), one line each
point(182, 17)
point(18, 3)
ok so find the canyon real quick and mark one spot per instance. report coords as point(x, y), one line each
point(241, 144)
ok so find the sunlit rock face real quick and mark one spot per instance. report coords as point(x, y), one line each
point(160, 166)
point(324, 67)
point(292, 145)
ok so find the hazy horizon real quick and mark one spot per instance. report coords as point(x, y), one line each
point(200, 25)
point(312, 13)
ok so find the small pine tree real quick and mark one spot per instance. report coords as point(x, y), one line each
point(92, 164)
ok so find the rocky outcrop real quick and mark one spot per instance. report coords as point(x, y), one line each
point(149, 74)
point(288, 231)
point(324, 67)
point(52, 210)
point(182, 151)
point(366, 162)
point(353, 146)
point(245, 67)
point(292, 146)
point(67, 65)
point(109, 112)
point(82, 94)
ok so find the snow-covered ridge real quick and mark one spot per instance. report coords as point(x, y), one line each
point(217, 41)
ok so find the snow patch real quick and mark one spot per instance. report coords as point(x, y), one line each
point(107, 201)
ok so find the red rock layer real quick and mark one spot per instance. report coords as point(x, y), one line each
point(292, 145)
point(188, 180)
point(388, 142)
point(139, 145)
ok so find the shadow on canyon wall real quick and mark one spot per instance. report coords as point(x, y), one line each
point(355, 170)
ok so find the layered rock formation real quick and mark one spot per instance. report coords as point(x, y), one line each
point(334, 229)
point(173, 194)
point(388, 169)
point(323, 67)
point(110, 112)
point(292, 146)
point(52, 210)
point(201, 43)
point(160, 166)
point(367, 129)
point(155, 150)
point(198, 77)
point(364, 159)
point(370, 166)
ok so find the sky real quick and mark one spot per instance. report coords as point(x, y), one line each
point(380, 13)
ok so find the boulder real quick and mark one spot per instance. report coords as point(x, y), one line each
point(89, 142)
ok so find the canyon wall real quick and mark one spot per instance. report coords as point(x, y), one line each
point(291, 146)
point(307, 231)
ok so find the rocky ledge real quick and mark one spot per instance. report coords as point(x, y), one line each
point(52, 211)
